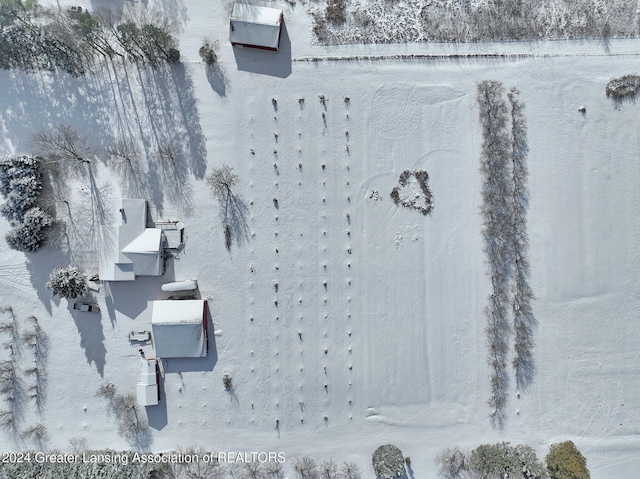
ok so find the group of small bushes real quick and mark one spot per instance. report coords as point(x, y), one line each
point(304, 468)
point(501, 460)
point(623, 87)
point(334, 14)
point(307, 468)
point(423, 201)
point(132, 423)
point(20, 381)
point(20, 186)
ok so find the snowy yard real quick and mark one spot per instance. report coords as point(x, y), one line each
point(345, 321)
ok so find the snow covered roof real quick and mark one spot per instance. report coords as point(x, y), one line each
point(179, 328)
point(255, 26)
point(129, 248)
point(147, 387)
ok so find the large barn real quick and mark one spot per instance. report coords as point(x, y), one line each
point(256, 27)
point(179, 328)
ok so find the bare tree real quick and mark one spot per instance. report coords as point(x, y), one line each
point(328, 469)
point(64, 147)
point(7, 419)
point(305, 468)
point(452, 462)
point(107, 390)
point(253, 470)
point(124, 156)
point(273, 470)
point(37, 433)
point(197, 469)
point(78, 444)
point(169, 154)
point(350, 470)
point(524, 322)
point(496, 210)
point(8, 377)
point(221, 180)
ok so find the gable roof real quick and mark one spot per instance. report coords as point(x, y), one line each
point(179, 328)
point(128, 247)
point(253, 25)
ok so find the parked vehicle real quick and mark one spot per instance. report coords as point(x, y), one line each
point(86, 308)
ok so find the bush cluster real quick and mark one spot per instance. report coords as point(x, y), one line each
point(388, 462)
point(385, 21)
point(207, 51)
point(336, 12)
point(625, 86)
point(21, 185)
point(423, 202)
point(502, 460)
point(307, 468)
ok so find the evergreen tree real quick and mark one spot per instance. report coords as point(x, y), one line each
point(28, 235)
point(68, 282)
point(565, 461)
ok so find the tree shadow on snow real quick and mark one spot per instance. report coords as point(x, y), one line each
point(234, 215)
point(39, 265)
point(217, 78)
point(91, 337)
point(188, 105)
point(157, 415)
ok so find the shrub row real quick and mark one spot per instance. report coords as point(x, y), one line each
point(21, 185)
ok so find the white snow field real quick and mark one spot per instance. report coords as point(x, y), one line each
point(331, 284)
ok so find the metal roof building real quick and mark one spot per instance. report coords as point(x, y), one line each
point(255, 26)
point(179, 328)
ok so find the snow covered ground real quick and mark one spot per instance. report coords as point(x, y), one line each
point(350, 321)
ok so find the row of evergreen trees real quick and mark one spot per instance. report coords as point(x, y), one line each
point(503, 461)
point(21, 185)
point(33, 38)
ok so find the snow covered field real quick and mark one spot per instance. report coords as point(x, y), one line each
point(350, 321)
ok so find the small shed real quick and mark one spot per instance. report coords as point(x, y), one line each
point(179, 328)
point(255, 26)
point(148, 388)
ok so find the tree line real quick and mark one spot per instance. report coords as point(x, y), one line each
point(35, 38)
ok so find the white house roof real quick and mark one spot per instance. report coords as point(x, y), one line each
point(178, 328)
point(129, 248)
point(147, 243)
point(147, 394)
point(147, 387)
point(255, 25)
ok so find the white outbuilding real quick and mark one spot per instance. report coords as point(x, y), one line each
point(255, 26)
point(129, 248)
point(179, 328)
point(148, 389)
